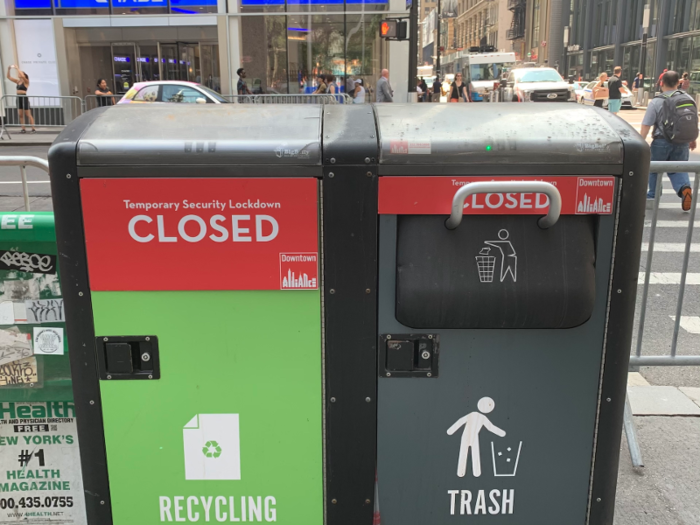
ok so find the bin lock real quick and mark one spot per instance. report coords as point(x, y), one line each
point(128, 357)
point(409, 355)
point(472, 188)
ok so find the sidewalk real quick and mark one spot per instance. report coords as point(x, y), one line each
point(42, 137)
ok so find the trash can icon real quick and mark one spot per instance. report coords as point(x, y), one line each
point(505, 458)
point(486, 264)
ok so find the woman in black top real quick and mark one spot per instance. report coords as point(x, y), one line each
point(23, 107)
point(458, 90)
point(101, 91)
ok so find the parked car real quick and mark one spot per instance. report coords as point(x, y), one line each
point(588, 100)
point(578, 90)
point(541, 84)
point(171, 92)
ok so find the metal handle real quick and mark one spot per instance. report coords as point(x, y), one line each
point(473, 188)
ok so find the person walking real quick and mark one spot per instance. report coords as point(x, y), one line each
point(685, 82)
point(242, 86)
point(437, 86)
point(359, 96)
point(384, 91)
point(638, 87)
point(662, 148)
point(105, 97)
point(424, 86)
point(458, 90)
point(321, 86)
point(614, 91)
point(23, 107)
point(602, 79)
point(658, 82)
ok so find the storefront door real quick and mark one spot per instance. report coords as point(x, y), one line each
point(124, 66)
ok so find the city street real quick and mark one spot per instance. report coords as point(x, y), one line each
point(665, 400)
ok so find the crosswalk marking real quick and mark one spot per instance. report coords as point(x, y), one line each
point(671, 247)
point(670, 278)
point(689, 323)
point(674, 205)
point(671, 224)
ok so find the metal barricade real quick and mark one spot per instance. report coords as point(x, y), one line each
point(98, 101)
point(38, 111)
point(670, 359)
point(23, 162)
point(339, 98)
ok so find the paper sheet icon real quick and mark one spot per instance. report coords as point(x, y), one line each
point(212, 447)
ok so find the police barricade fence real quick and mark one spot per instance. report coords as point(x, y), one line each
point(671, 358)
point(22, 162)
point(45, 111)
point(338, 98)
point(98, 101)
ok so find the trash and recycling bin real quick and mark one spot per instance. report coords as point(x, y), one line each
point(273, 305)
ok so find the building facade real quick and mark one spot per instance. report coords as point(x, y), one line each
point(607, 33)
point(483, 22)
point(68, 45)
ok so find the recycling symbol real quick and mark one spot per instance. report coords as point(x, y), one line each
point(211, 449)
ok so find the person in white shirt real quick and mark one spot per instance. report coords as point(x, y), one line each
point(359, 93)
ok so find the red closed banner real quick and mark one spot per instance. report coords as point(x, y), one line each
point(433, 196)
point(201, 234)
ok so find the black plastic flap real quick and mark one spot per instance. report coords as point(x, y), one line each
point(495, 272)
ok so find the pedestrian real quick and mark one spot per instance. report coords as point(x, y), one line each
point(426, 90)
point(614, 91)
point(658, 82)
point(23, 107)
point(331, 85)
point(349, 85)
point(359, 95)
point(321, 86)
point(101, 92)
point(661, 111)
point(599, 90)
point(437, 86)
point(458, 90)
point(384, 91)
point(638, 86)
point(242, 86)
point(685, 82)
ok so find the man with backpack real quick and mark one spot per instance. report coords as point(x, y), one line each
point(674, 118)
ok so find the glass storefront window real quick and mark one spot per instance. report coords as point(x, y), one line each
point(285, 54)
point(695, 67)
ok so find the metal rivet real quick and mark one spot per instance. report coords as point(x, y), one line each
point(619, 291)
point(368, 501)
point(334, 501)
point(430, 336)
point(331, 175)
point(332, 400)
point(80, 294)
point(68, 175)
point(388, 336)
point(105, 339)
point(598, 500)
point(368, 399)
point(608, 400)
point(367, 290)
point(92, 402)
point(102, 502)
point(429, 374)
point(332, 291)
point(367, 161)
point(109, 377)
point(145, 356)
point(332, 160)
point(150, 377)
point(388, 374)
point(630, 173)
point(369, 173)
point(148, 338)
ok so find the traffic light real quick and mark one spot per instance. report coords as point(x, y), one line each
point(393, 29)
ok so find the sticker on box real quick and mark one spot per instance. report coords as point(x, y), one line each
point(48, 341)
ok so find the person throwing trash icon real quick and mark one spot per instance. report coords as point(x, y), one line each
point(509, 259)
point(473, 423)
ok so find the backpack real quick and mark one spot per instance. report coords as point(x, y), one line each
point(678, 118)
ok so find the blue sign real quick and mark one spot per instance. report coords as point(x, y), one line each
point(192, 3)
point(82, 4)
point(32, 4)
point(137, 3)
point(310, 2)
